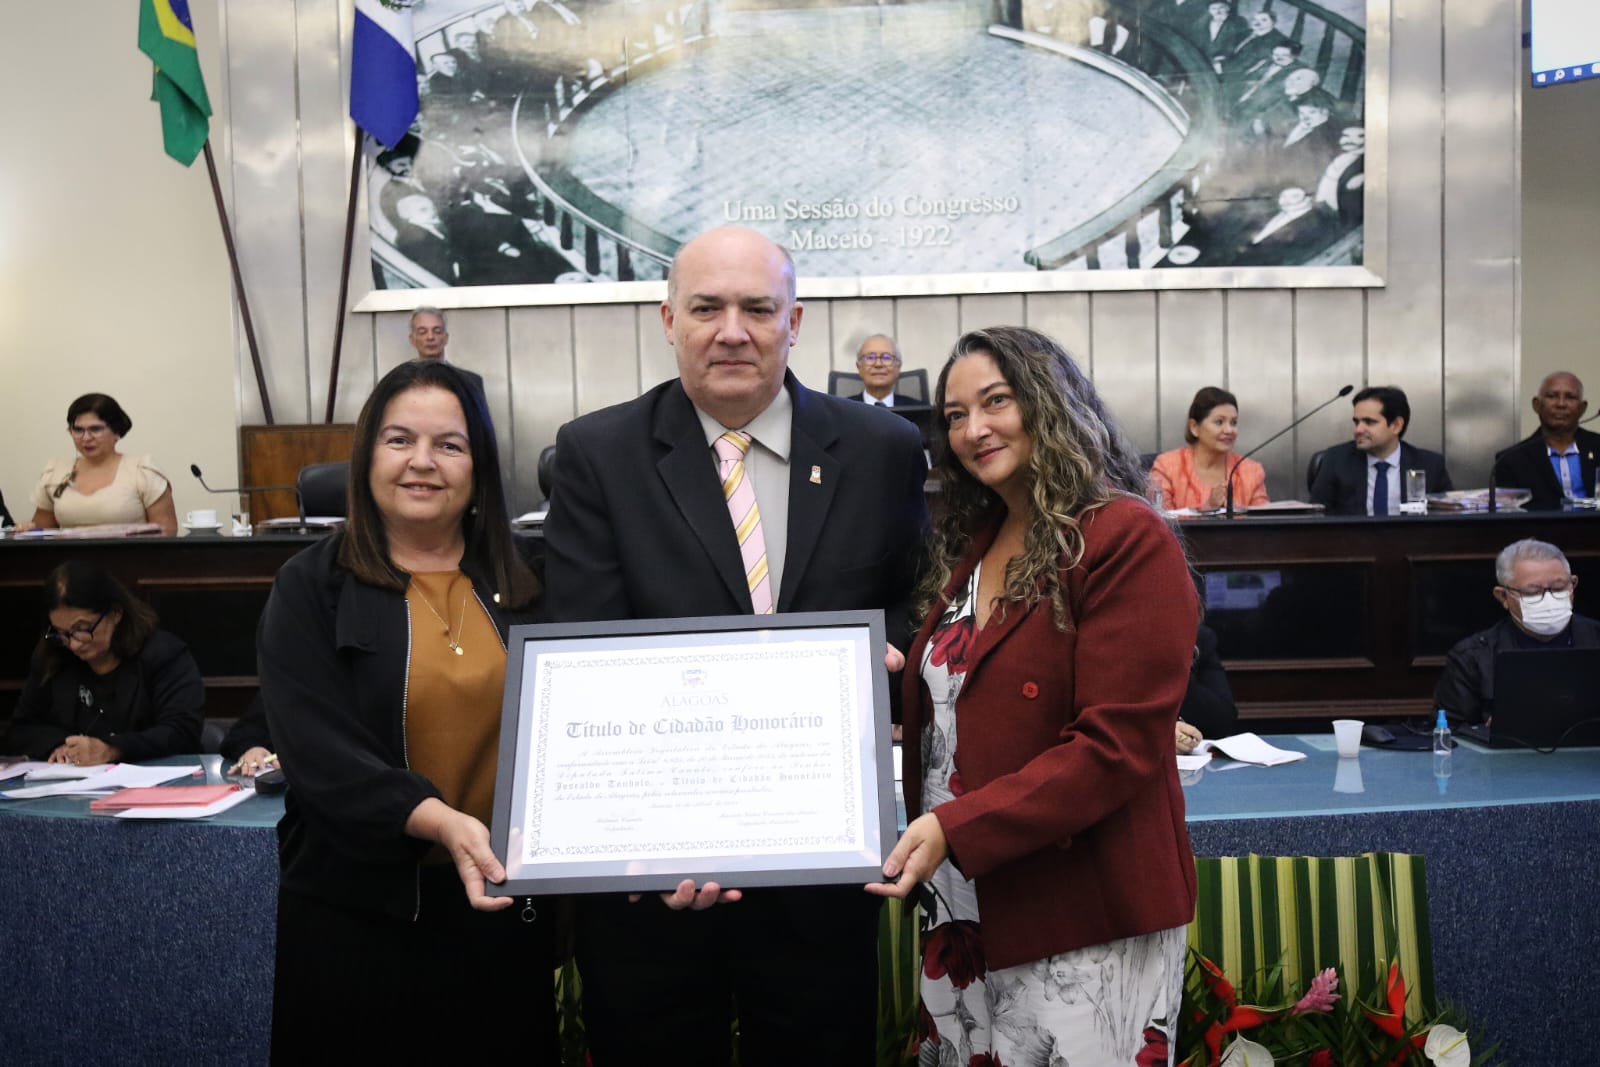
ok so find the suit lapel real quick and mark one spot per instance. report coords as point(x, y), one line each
point(687, 471)
point(810, 498)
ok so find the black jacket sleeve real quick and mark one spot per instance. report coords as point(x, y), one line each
point(1208, 703)
point(1462, 689)
point(171, 686)
point(36, 730)
point(248, 732)
point(334, 730)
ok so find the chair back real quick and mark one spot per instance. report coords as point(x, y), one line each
point(547, 462)
point(323, 488)
point(912, 383)
point(1313, 466)
point(845, 383)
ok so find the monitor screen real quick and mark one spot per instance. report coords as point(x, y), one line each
point(1564, 40)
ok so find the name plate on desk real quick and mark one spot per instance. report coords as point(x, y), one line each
point(745, 750)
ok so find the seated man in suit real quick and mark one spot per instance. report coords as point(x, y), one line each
point(1534, 583)
point(878, 363)
point(1558, 460)
point(1366, 476)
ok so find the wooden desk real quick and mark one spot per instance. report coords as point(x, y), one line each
point(1332, 617)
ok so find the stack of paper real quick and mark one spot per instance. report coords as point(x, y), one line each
point(170, 801)
point(1246, 748)
point(93, 781)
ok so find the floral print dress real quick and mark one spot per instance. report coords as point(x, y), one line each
point(1111, 1004)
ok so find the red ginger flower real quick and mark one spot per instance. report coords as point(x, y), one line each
point(1393, 1021)
point(1239, 1017)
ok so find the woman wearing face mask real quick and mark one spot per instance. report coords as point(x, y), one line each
point(107, 683)
point(1534, 583)
point(1196, 475)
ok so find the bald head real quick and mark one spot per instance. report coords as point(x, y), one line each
point(730, 316)
point(726, 240)
point(1559, 405)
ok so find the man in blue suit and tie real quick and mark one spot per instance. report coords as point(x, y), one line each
point(1366, 476)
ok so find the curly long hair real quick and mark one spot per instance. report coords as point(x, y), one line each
point(1081, 461)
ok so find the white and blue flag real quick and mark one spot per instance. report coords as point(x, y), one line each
point(383, 71)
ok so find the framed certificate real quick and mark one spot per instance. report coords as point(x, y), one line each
point(746, 750)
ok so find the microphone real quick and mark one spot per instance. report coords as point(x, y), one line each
point(245, 490)
point(1346, 391)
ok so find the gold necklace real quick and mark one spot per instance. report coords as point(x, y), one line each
point(455, 645)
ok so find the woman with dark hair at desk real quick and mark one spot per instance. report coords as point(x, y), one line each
point(1208, 708)
point(1044, 686)
point(1196, 475)
point(101, 485)
point(382, 661)
point(107, 684)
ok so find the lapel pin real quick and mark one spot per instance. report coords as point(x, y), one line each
point(816, 475)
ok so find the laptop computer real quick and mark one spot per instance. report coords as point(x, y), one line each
point(1545, 698)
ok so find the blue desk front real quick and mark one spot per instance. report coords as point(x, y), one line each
point(152, 942)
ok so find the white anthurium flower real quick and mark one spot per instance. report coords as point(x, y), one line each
point(1246, 1053)
point(1447, 1047)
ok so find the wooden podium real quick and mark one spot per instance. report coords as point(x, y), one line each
point(273, 455)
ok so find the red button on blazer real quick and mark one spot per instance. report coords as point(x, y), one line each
point(1030, 690)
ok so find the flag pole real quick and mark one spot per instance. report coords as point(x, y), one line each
point(344, 272)
point(238, 283)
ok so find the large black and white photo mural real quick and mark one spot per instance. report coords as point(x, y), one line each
point(916, 146)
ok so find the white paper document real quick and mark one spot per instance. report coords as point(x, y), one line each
point(704, 769)
point(17, 770)
point(189, 811)
point(115, 776)
point(1247, 748)
point(62, 772)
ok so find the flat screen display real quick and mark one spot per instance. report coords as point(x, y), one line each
point(1564, 41)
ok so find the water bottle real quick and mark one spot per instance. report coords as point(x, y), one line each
point(1441, 752)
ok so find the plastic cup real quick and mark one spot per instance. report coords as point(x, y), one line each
point(1347, 735)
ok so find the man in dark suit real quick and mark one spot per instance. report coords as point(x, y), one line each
point(429, 336)
point(1366, 476)
point(1558, 460)
point(878, 363)
point(639, 528)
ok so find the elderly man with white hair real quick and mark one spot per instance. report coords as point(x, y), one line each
point(1534, 583)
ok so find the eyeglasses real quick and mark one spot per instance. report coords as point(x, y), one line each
point(878, 358)
point(1560, 588)
point(88, 431)
point(77, 633)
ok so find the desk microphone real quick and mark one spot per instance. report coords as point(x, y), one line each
point(244, 490)
point(1346, 391)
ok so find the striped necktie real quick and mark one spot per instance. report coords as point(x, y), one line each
point(741, 497)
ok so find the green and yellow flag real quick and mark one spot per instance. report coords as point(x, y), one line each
point(166, 35)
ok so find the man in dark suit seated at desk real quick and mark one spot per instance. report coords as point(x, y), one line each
point(1366, 476)
point(429, 335)
point(642, 525)
point(1558, 460)
point(1534, 583)
point(878, 363)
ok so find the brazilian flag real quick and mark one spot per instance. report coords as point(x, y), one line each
point(166, 35)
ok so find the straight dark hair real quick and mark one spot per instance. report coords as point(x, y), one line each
point(486, 526)
point(1394, 402)
point(87, 587)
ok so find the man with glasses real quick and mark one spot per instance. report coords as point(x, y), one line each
point(878, 363)
point(1534, 583)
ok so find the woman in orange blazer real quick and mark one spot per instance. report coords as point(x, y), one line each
point(1044, 688)
point(1195, 476)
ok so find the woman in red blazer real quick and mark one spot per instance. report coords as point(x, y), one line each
point(1044, 686)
